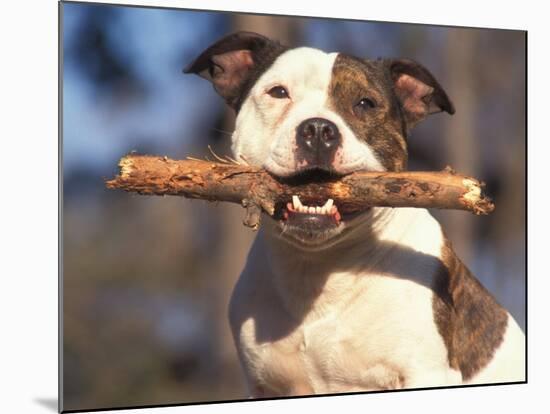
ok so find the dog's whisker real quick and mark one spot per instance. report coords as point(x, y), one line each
point(282, 232)
point(220, 159)
point(242, 157)
point(232, 160)
point(228, 133)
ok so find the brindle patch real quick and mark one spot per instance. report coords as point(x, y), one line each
point(468, 318)
point(380, 127)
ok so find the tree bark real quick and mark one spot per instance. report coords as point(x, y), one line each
point(257, 190)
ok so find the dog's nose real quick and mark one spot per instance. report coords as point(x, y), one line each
point(317, 140)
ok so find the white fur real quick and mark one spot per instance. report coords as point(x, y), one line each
point(265, 131)
point(369, 329)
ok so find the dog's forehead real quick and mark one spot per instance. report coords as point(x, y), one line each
point(359, 72)
point(305, 66)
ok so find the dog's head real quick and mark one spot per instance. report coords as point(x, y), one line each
point(304, 114)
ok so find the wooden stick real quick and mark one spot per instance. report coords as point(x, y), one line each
point(257, 190)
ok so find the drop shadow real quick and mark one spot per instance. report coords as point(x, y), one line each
point(49, 403)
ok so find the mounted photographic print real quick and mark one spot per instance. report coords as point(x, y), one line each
point(262, 206)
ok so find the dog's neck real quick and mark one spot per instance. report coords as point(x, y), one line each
point(312, 282)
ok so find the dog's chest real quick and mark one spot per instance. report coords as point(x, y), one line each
point(378, 341)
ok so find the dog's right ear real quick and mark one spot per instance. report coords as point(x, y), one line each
point(230, 62)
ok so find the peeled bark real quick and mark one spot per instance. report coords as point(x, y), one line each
point(258, 190)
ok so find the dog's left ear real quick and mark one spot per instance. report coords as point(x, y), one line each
point(230, 62)
point(417, 91)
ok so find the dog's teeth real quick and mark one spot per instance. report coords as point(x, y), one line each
point(328, 208)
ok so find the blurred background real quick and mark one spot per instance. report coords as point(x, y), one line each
point(147, 280)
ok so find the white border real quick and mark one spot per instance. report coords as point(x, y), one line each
point(28, 31)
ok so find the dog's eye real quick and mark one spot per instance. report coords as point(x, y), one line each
point(278, 92)
point(363, 106)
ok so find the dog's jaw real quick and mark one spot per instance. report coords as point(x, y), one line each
point(311, 230)
point(318, 237)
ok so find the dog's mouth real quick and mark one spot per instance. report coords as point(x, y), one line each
point(297, 212)
point(311, 219)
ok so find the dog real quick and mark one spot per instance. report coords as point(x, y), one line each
point(332, 300)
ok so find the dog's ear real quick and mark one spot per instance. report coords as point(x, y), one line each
point(230, 62)
point(417, 91)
